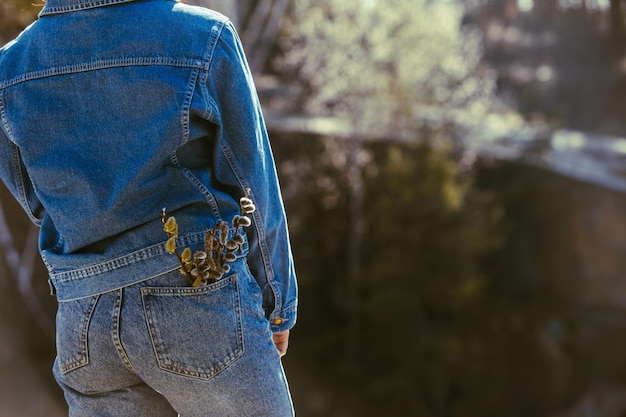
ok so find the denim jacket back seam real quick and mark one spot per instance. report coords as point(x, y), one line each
point(103, 64)
point(186, 107)
point(199, 77)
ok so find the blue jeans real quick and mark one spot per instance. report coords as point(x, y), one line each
point(161, 348)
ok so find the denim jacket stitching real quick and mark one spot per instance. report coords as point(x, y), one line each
point(16, 166)
point(103, 64)
point(82, 6)
point(258, 225)
point(208, 195)
point(210, 199)
point(216, 33)
point(121, 261)
point(208, 113)
point(210, 110)
point(285, 311)
point(187, 105)
point(6, 127)
point(198, 87)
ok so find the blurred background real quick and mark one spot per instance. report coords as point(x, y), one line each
point(454, 173)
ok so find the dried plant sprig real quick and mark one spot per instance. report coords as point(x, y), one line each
point(210, 265)
point(171, 228)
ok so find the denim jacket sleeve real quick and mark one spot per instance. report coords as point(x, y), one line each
point(16, 179)
point(247, 162)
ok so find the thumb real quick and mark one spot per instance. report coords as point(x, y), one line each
point(281, 341)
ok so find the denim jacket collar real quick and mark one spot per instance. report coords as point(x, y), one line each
point(64, 6)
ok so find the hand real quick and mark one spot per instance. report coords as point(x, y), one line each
point(281, 340)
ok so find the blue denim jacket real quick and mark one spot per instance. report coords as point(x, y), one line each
point(111, 110)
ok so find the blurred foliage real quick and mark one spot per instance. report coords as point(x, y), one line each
point(422, 284)
point(470, 285)
point(437, 324)
point(386, 67)
point(462, 307)
point(406, 69)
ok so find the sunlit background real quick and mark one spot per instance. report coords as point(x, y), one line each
point(454, 173)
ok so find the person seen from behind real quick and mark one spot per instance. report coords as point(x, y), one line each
point(132, 135)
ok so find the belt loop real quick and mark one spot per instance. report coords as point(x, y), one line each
point(53, 291)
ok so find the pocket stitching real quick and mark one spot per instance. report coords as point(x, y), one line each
point(82, 359)
point(170, 365)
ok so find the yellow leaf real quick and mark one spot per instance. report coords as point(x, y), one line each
point(170, 246)
point(186, 255)
point(171, 227)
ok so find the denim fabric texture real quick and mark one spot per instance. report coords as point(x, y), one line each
point(111, 110)
point(159, 348)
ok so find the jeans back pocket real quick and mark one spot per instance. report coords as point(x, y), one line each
point(196, 331)
point(72, 322)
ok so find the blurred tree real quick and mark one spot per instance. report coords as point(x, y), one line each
point(617, 18)
point(388, 69)
point(260, 25)
point(227, 7)
point(428, 230)
point(258, 22)
point(422, 290)
point(18, 247)
point(402, 69)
